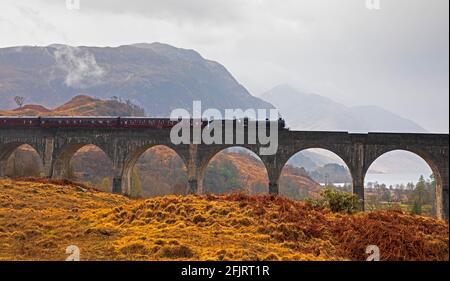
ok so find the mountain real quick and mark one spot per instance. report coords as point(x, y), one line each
point(331, 173)
point(312, 159)
point(375, 118)
point(307, 111)
point(158, 77)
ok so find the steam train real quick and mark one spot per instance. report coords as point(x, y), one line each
point(86, 122)
point(103, 122)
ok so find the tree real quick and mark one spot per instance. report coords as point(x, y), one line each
point(386, 196)
point(431, 194)
point(419, 196)
point(337, 201)
point(433, 180)
point(416, 208)
point(420, 191)
point(222, 176)
point(19, 100)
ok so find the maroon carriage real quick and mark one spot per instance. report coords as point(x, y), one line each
point(79, 122)
point(15, 121)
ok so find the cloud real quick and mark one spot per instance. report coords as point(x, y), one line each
point(81, 67)
point(396, 57)
point(185, 10)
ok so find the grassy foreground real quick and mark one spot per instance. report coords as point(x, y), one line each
point(40, 218)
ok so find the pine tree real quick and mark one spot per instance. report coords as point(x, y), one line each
point(420, 191)
point(419, 196)
point(416, 208)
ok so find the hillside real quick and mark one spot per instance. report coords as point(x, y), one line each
point(40, 219)
point(159, 77)
point(80, 105)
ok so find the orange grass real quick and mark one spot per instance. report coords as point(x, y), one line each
point(39, 218)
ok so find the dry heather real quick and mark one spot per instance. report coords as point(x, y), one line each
point(40, 218)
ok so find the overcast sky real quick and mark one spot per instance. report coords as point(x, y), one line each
point(395, 57)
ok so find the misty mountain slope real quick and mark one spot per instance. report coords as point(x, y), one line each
point(309, 111)
point(304, 111)
point(379, 119)
point(156, 76)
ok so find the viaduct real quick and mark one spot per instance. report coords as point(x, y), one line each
point(56, 146)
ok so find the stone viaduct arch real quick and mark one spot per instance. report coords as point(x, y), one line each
point(7, 149)
point(309, 148)
point(130, 161)
point(206, 156)
point(61, 162)
point(436, 159)
point(123, 146)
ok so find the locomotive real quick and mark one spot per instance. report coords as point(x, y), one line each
point(107, 122)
